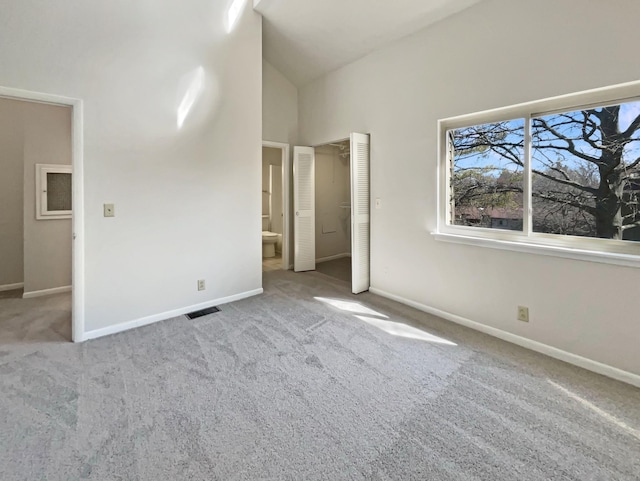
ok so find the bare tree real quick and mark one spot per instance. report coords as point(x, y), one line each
point(585, 166)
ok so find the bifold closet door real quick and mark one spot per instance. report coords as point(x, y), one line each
point(360, 213)
point(304, 199)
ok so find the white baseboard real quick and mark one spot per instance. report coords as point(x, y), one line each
point(331, 258)
point(11, 287)
point(144, 321)
point(583, 362)
point(46, 292)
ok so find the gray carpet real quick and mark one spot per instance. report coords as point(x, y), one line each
point(337, 268)
point(285, 386)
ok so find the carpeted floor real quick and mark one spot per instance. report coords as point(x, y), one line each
point(337, 268)
point(305, 382)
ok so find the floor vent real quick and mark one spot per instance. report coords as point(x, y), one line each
point(202, 312)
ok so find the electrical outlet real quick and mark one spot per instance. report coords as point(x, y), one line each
point(523, 313)
point(201, 286)
point(109, 210)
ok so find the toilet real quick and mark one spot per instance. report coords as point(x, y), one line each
point(269, 239)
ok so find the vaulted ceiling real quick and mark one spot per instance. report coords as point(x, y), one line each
point(305, 39)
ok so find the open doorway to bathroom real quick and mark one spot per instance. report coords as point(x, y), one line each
point(275, 206)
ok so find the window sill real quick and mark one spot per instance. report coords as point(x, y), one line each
point(626, 260)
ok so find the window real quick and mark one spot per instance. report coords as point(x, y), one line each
point(486, 179)
point(562, 172)
point(585, 173)
point(53, 191)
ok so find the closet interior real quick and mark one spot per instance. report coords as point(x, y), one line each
point(333, 209)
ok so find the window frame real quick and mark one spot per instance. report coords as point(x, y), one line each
point(42, 211)
point(585, 248)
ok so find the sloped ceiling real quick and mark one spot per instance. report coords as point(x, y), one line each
point(305, 39)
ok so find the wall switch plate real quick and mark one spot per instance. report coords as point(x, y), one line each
point(523, 313)
point(201, 285)
point(378, 203)
point(109, 210)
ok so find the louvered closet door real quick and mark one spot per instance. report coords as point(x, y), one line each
point(304, 199)
point(360, 205)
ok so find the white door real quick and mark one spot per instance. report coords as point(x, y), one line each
point(360, 203)
point(304, 199)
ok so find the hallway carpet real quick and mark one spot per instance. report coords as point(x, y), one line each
point(306, 382)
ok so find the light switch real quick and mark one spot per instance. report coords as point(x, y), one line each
point(378, 203)
point(109, 210)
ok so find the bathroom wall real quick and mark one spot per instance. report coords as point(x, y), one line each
point(11, 187)
point(332, 188)
point(270, 156)
point(276, 200)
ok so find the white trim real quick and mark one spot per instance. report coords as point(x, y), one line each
point(608, 95)
point(332, 258)
point(627, 260)
point(162, 316)
point(42, 207)
point(46, 292)
point(527, 185)
point(583, 362)
point(11, 287)
point(77, 162)
point(286, 202)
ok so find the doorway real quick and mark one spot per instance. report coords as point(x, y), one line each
point(276, 186)
point(332, 210)
point(41, 294)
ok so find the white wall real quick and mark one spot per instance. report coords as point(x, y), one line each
point(333, 223)
point(279, 106)
point(47, 243)
point(132, 64)
point(497, 53)
point(11, 193)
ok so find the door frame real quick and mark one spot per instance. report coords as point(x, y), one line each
point(77, 186)
point(286, 203)
point(352, 219)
